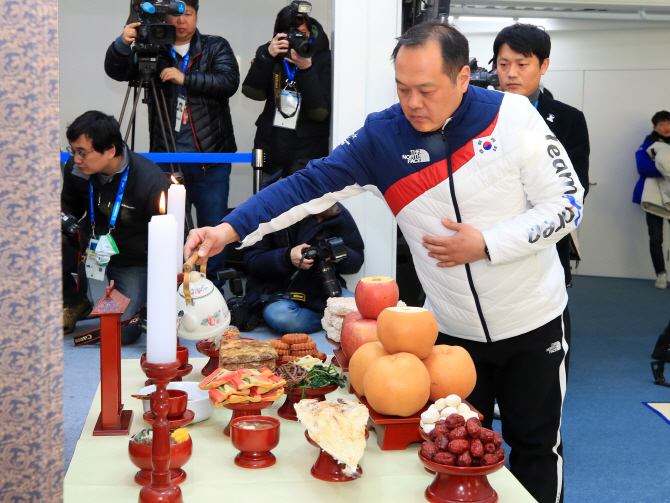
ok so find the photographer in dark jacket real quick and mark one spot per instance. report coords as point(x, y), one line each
point(274, 261)
point(285, 139)
point(200, 73)
point(104, 174)
point(522, 52)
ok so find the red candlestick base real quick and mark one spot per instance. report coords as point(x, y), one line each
point(161, 489)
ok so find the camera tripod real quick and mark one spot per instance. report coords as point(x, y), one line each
point(147, 73)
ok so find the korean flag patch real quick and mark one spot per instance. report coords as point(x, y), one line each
point(485, 145)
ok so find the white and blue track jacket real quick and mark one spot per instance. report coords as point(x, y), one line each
point(495, 166)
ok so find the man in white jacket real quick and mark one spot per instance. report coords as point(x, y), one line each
point(482, 191)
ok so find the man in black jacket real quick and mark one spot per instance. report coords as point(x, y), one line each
point(200, 73)
point(123, 189)
point(307, 133)
point(521, 52)
point(276, 266)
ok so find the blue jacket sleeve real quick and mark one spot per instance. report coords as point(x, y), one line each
point(344, 173)
point(646, 167)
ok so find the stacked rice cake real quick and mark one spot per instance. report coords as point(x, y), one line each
point(247, 354)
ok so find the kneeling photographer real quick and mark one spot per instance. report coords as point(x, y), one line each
point(292, 272)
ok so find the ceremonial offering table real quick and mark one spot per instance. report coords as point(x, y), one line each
point(101, 470)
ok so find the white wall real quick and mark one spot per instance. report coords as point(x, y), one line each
point(619, 78)
point(86, 28)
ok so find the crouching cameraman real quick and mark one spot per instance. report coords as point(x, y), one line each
point(290, 273)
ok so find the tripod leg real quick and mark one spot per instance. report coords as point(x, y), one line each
point(134, 111)
point(125, 102)
point(160, 118)
point(167, 114)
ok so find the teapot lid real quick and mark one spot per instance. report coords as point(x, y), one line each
point(199, 286)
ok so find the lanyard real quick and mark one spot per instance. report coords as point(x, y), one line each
point(117, 203)
point(184, 66)
point(536, 104)
point(290, 73)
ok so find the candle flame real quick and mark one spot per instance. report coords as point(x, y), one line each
point(174, 180)
point(161, 205)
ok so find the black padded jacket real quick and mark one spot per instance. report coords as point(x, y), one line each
point(211, 78)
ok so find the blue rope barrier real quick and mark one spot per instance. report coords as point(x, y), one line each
point(179, 158)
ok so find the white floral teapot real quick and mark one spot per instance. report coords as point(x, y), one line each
point(201, 307)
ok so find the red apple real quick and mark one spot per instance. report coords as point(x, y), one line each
point(359, 332)
point(374, 294)
point(347, 326)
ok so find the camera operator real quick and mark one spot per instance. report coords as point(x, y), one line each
point(201, 75)
point(291, 302)
point(521, 53)
point(296, 88)
point(123, 190)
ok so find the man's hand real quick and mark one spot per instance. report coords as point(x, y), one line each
point(279, 45)
point(299, 61)
point(211, 240)
point(172, 75)
point(466, 246)
point(296, 255)
point(129, 33)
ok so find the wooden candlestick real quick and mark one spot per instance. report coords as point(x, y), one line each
point(161, 489)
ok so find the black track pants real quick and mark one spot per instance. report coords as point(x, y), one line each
point(527, 375)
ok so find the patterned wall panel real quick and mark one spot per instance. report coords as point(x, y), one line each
point(31, 339)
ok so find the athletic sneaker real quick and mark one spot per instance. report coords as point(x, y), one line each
point(661, 280)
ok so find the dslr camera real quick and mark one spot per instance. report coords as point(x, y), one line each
point(481, 77)
point(333, 249)
point(297, 40)
point(239, 309)
point(154, 33)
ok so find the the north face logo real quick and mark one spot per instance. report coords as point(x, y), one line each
point(414, 156)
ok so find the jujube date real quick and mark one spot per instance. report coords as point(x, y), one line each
point(486, 435)
point(500, 452)
point(497, 439)
point(455, 420)
point(441, 443)
point(473, 427)
point(489, 459)
point(476, 448)
point(464, 459)
point(458, 446)
point(445, 458)
point(489, 448)
point(428, 450)
point(457, 433)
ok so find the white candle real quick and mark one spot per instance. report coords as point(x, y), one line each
point(176, 207)
point(162, 290)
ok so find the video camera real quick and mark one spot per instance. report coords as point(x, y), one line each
point(297, 40)
point(481, 77)
point(333, 249)
point(154, 33)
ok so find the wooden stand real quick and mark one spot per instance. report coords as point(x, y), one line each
point(161, 489)
point(113, 420)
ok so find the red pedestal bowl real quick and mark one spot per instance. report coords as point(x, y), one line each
point(293, 396)
point(208, 349)
point(140, 455)
point(243, 410)
point(460, 484)
point(182, 356)
point(255, 444)
point(327, 468)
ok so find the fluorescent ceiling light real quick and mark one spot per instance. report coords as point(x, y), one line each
point(478, 19)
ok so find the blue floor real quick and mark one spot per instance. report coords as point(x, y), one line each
point(616, 449)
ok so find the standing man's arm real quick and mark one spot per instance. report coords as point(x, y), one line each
point(222, 78)
point(119, 57)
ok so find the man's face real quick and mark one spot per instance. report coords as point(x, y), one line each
point(519, 74)
point(185, 24)
point(427, 95)
point(663, 128)
point(94, 161)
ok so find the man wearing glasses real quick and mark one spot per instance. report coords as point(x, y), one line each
point(111, 193)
